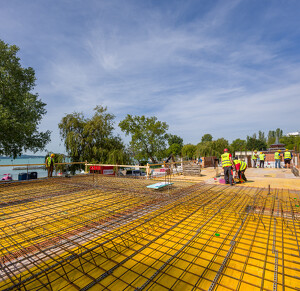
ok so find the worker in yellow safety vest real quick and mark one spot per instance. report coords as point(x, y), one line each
point(287, 158)
point(254, 158)
point(50, 164)
point(228, 165)
point(277, 159)
point(240, 168)
point(262, 160)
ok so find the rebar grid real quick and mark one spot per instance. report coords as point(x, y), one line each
point(106, 233)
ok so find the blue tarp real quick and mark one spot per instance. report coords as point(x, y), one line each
point(159, 185)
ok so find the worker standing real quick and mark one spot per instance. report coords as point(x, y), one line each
point(240, 168)
point(254, 158)
point(262, 160)
point(50, 165)
point(287, 158)
point(277, 159)
point(228, 165)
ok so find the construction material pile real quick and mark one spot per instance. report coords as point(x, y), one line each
point(113, 233)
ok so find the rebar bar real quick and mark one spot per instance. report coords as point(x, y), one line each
point(113, 233)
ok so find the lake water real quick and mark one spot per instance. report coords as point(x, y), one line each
point(21, 161)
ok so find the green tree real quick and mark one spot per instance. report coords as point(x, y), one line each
point(279, 132)
point(219, 145)
point(238, 145)
point(20, 110)
point(148, 136)
point(92, 139)
point(212, 148)
point(255, 144)
point(206, 137)
point(291, 142)
point(175, 139)
point(205, 149)
point(273, 134)
point(174, 149)
point(261, 136)
point(189, 151)
point(271, 137)
point(175, 145)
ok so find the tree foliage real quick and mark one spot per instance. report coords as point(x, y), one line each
point(174, 149)
point(261, 136)
point(92, 139)
point(148, 136)
point(20, 110)
point(189, 151)
point(291, 142)
point(255, 144)
point(238, 145)
point(175, 139)
point(206, 137)
point(205, 149)
point(175, 145)
point(212, 148)
point(273, 134)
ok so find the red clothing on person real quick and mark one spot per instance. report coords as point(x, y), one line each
point(237, 166)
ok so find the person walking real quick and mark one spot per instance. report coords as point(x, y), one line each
point(262, 160)
point(277, 159)
point(287, 158)
point(240, 168)
point(228, 165)
point(50, 165)
point(254, 159)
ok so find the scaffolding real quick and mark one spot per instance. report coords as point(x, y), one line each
point(110, 233)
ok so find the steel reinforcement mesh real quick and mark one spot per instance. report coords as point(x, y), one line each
point(106, 233)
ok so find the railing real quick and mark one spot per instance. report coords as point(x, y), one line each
point(29, 167)
point(148, 168)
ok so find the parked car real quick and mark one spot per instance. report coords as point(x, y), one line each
point(135, 173)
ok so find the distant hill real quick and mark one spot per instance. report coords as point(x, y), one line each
point(22, 157)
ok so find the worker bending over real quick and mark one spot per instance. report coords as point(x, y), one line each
point(240, 168)
point(277, 159)
point(228, 165)
point(287, 158)
point(50, 165)
point(262, 160)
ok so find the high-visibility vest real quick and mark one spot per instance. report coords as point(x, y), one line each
point(262, 157)
point(48, 161)
point(243, 165)
point(277, 156)
point(225, 160)
point(254, 157)
point(287, 155)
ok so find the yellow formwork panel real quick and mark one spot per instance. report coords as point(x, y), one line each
point(95, 233)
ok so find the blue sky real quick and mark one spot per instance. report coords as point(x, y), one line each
point(228, 68)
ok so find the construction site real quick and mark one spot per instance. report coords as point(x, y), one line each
point(98, 232)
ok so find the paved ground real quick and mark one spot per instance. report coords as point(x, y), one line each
point(276, 178)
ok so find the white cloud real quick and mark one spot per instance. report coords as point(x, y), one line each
point(190, 65)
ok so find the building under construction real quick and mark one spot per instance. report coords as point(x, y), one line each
point(93, 232)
